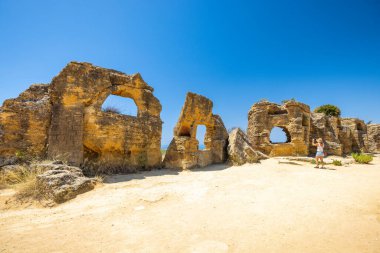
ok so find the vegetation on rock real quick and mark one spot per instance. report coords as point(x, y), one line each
point(328, 110)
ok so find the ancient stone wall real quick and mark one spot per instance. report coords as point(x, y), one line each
point(183, 151)
point(64, 121)
point(292, 117)
point(110, 140)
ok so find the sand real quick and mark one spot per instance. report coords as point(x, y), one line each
point(267, 207)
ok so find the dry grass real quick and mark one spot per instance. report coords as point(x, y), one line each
point(23, 179)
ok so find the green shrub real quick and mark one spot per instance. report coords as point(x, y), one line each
point(337, 162)
point(362, 158)
point(329, 110)
point(313, 161)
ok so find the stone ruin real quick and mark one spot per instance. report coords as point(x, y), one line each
point(341, 135)
point(292, 117)
point(183, 151)
point(64, 121)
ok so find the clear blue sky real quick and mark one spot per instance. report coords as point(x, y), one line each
point(234, 52)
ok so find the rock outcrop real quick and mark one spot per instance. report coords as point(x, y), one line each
point(358, 134)
point(293, 117)
point(183, 151)
point(64, 121)
point(327, 128)
point(373, 138)
point(61, 183)
point(240, 150)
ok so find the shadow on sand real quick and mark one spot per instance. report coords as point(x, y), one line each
point(117, 178)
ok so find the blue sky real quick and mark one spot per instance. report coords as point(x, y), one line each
point(234, 52)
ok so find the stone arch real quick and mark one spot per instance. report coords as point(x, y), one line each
point(82, 132)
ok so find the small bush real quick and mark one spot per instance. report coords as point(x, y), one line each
point(362, 158)
point(313, 161)
point(337, 162)
point(329, 110)
point(112, 109)
point(288, 100)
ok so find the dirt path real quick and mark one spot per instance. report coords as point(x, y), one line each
point(268, 207)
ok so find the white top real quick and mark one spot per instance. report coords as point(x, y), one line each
point(320, 147)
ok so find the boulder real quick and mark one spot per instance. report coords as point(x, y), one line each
point(61, 182)
point(240, 150)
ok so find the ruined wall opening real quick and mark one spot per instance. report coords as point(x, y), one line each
point(279, 135)
point(120, 105)
point(201, 134)
point(359, 127)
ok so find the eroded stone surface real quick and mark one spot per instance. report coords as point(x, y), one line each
point(240, 150)
point(373, 138)
point(24, 123)
point(62, 183)
point(183, 151)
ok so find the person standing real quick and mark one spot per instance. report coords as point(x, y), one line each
point(320, 153)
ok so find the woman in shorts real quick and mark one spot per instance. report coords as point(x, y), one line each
point(320, 153)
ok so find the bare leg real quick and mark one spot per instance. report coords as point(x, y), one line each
point(322, 162)
point(316, 160)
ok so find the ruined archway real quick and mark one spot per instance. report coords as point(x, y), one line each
point(293, 118)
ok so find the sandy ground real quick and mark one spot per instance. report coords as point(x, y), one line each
point(267, 207)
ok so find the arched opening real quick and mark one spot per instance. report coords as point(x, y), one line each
point(201, 133)
point(120, 105)
point(279, 135)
